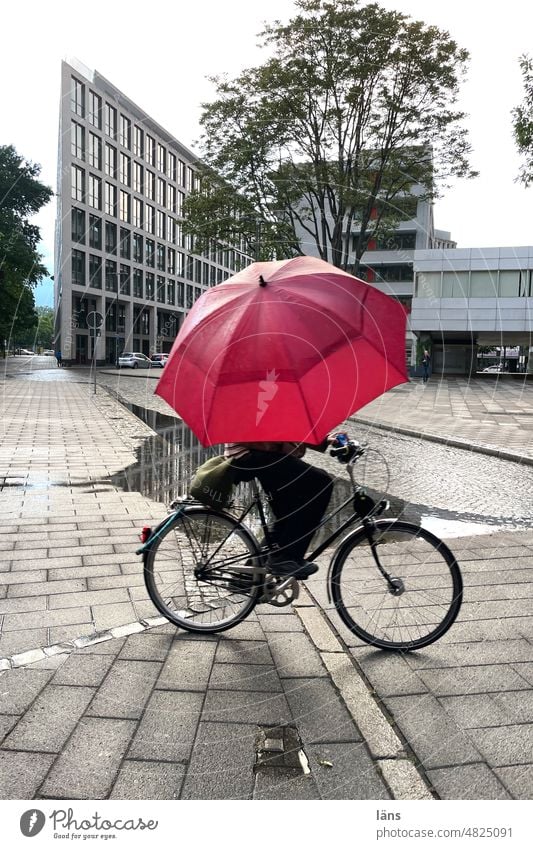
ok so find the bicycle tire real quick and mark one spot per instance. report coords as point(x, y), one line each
point(170, 580)
point(421, 561)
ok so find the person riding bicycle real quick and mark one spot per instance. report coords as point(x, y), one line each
point(299, 494)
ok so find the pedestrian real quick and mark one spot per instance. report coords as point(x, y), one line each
point(426, 362)
point(59, 359)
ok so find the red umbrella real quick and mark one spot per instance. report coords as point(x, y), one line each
point(283, 351)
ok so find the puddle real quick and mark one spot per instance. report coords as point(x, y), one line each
point(166, 463)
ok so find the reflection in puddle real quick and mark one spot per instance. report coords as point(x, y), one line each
point(166, 463)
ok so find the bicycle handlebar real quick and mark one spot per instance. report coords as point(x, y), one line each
point(349, 451)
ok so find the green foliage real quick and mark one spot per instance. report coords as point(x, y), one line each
point(21, 196)
point(328, 136)
point(523, 122)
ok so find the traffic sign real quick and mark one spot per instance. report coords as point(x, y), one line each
point(94, 320)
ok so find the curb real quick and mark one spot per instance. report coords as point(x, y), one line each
point(453, 442)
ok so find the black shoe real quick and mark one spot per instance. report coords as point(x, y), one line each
point(300, 569)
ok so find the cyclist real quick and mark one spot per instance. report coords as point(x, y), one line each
point(298, 492)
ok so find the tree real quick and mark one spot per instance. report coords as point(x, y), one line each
point(21, 196)
point(45, 329)
point(327, 138)
point(523, 122)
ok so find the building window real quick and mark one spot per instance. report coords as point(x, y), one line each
point(181, 172)
point(125, 169)
point(121, 317)
point(149, 218)
point(161, 158)
point(145, 322)
point(124, 279)
point(78, 225)
point(189, 268)
point(161, 194)
point(137, 283)
point(179, 204)
point(149, 150)
point(95, 110)
point(197, 270)
point(125, 132)
point(78, 268)
point(111, 161)
point(160, 224)
point(190, 296)
point(171, 230)
point(77, 140)
point(111, 317)
point(110, 121)
point(149, 286)
point(171, 292)
point(190, 179)
point(171, 198)
point(137, 248)
point(180, 293)
point(78, 183)
point(171, 261)
point(77, 97)
point(138, 141)
point(149, 185)
point(150, 252)
point(160, 289)
point(125, 206)
point(137, 213)
point(95, 192)
point(111, 275)
point(125, 243)
point(110, 237)
point(160, 257)
point(95, 271)
point(180, 266)
point(137, 178)
point(205, 274)
point(111, 200)
point(95, 152)
point(171, 166)
point(95, 232)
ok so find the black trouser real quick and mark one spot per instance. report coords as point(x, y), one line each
point(299, 495)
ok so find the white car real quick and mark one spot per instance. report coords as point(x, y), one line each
point(48, 353)
point(493, 369)
point(159, 360)
point(27, 353)
point(134, 360)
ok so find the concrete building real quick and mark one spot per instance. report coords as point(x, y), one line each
point(120, 248)
point(464, 298)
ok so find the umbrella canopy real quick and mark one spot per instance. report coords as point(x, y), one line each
point(283, 351)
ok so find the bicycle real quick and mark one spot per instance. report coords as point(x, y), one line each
point(394, 584)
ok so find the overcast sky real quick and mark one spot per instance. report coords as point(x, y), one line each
point(160, 54)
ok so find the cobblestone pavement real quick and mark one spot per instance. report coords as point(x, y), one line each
point(149, 712)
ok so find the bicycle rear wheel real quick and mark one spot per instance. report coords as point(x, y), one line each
point(428, 586)
point(217, 597)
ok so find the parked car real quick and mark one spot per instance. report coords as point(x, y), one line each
point(159, 359)
point(26, 352)
point(494, 369)
point(48, 353)
point(134, 360)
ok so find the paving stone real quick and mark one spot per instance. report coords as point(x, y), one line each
point(296, 657)
point(247, 630)
point(21, 773)
point(222, 762)
point(126, 689)
point(525, 670)
point(352, 774)
point(69, 633)
point(516, 707)
point(233, 676)
point(111, 615)
point(168, 727)
point(506, 745)
point(318, 628)
point(47, 725)
point(246, 707)
point(88, 765)
point(87, 670)
point(471, 781)
point(19, 687)
point(23, 577)
point(279, 622)
point(477, 711)
point(93, 597)
point(110, 646)
point(243, 651)
point(146, 646)
point(318, 711)
point(47, 618)
point(389, 674)
point(83, 572)
point(434, 737)
point(288, 784)
point(148, 780)
point(188, 666)
point(472, 679)
point(471, 654)
point(14, 642)
point(6, 724)
point(23, 605)
point(518, 780)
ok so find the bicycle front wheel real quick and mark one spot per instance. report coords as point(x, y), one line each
point(192, 571)
point(427, 592)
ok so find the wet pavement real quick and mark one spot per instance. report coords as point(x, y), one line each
point(91, 669)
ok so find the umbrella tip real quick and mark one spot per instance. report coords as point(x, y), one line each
point(262, 281)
